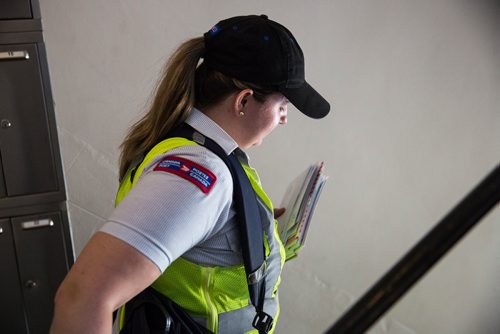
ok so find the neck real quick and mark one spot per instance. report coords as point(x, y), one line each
point(224, 115)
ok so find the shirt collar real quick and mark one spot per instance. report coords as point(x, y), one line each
point(207, 127)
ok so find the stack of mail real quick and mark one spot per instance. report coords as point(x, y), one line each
point(300, 200)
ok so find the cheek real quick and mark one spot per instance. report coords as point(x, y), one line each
point(268, 120)
point(272, 121)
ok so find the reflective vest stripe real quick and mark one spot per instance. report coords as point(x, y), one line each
point(158, 149)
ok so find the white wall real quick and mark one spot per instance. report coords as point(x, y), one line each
point(415, 89)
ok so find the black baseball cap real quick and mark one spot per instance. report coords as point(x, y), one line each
point(258, 50)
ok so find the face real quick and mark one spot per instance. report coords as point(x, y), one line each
point(261, 118)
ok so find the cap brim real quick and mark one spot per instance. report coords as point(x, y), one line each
point(307, 100)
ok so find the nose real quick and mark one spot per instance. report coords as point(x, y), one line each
point(283, 116)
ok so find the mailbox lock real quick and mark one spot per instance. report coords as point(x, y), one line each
point(30, 284)
point(5, 124)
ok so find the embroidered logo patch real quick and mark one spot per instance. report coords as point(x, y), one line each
point(189, 170)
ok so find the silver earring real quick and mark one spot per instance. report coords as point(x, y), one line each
point(242, 113)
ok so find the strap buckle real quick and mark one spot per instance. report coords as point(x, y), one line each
point(258, 274)
point(199, 138)
point(263, 322)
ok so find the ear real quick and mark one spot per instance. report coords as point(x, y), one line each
point(241, 100)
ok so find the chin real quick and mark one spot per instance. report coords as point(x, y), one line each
point(257, 143)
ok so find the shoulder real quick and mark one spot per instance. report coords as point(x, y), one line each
point(194, 163)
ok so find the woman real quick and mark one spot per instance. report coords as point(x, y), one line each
point(169, 229)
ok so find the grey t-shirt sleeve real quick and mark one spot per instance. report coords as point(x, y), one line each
point(165, 215)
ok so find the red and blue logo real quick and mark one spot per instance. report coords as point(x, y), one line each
point(189, 170)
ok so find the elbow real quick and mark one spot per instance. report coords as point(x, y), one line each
point(76, 310)
point(66, 307)
point(66, 295)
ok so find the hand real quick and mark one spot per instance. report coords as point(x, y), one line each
point(278, 212)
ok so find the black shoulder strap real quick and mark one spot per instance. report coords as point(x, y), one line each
point(247, 210)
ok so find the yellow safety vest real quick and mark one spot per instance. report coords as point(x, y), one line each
point(218, 295)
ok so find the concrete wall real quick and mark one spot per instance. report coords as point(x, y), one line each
point(415, 89)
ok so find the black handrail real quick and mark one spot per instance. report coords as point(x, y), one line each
point(401, 277)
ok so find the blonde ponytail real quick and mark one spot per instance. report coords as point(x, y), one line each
point(173, 100)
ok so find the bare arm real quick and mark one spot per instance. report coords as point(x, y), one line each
point(107, 274)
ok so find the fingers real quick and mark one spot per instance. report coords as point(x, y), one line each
point(278, 212)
